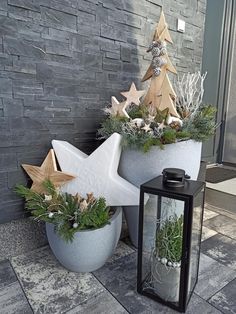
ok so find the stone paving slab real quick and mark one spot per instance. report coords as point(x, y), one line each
point(119, 278)
point(7, 275)
point(209, 214)
point(222, 224)
point(49, 287)
point(12, 298)
point(212, 277)
point(207, 233)
point(222, 249)
point(220, 211)
point(102, 303)
point(225, 299)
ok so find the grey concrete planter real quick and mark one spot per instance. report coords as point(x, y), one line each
point(90, 249)
point(166, 281)
point(138, 167)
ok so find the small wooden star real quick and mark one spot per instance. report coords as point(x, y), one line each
point(117, 108)
point(162, 115)
point(161, 126)
point(47, 171)
point(133, 95)
point(147, 128)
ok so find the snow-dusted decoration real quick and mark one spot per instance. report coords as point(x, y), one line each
point(190, 91)
point(97, 173)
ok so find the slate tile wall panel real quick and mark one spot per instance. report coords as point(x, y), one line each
point(61, 60)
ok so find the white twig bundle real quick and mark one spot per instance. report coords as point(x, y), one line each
point(190, 91)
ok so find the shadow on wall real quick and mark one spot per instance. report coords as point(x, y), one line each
point(61, 63)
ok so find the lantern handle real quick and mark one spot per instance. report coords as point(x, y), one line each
point(186, 176)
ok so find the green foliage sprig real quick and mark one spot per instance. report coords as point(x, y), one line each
point(169, 239)
point(198, 127)
point(69, 213)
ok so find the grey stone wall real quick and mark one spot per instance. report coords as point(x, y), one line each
point(61, 60)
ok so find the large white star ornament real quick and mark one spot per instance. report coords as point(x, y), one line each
point(97, 173)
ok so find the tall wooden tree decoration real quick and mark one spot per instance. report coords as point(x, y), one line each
point(160, 94)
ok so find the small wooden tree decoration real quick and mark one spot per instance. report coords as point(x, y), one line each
point(161, 94)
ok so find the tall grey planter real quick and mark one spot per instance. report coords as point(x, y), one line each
point(138, 167)
point(90, 249)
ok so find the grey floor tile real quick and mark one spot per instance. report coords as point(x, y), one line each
point(222, 224)
point(103, 303)
point(209, 214)
point(221, 248)
point(225, 299)
point(221, 211)
point(199, 306)
point(49, 287)
point(7, 275)
point(213, 276)
point(119, 278)
point(207, 233)
point(13, 300)
point(121, 251)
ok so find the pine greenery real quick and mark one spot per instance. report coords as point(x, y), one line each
point(199, 128)
point(69, 213)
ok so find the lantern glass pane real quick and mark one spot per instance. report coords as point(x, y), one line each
point(162, 247)
point(195, 241)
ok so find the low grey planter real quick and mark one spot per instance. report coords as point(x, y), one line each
point(138, 167)
point(90, 249)
point(166, 281)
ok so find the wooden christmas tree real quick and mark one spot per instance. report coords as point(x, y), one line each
point(160, 94)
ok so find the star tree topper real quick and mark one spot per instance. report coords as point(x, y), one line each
point(47, 171)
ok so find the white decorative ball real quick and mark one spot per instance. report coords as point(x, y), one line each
point(169, 263)
point(75, 225)
point(50, 215)
point(158, 259)
point(164, 261)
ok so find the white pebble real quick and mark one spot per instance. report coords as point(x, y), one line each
point(164, 261)
point(169, 263)
point(50, 215)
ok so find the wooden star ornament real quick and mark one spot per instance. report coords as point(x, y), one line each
point(117, 108)
point(47, 171)
point(133, 95)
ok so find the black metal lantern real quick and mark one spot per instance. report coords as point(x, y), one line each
point(170, 226)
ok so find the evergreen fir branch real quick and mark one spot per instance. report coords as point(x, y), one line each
point(65, 210)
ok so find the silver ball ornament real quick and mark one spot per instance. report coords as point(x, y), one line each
point(163, 260)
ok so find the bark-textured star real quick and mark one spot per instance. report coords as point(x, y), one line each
point(47, 171)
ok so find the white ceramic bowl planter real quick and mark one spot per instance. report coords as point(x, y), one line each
point(138, 167)
point(90, 249)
